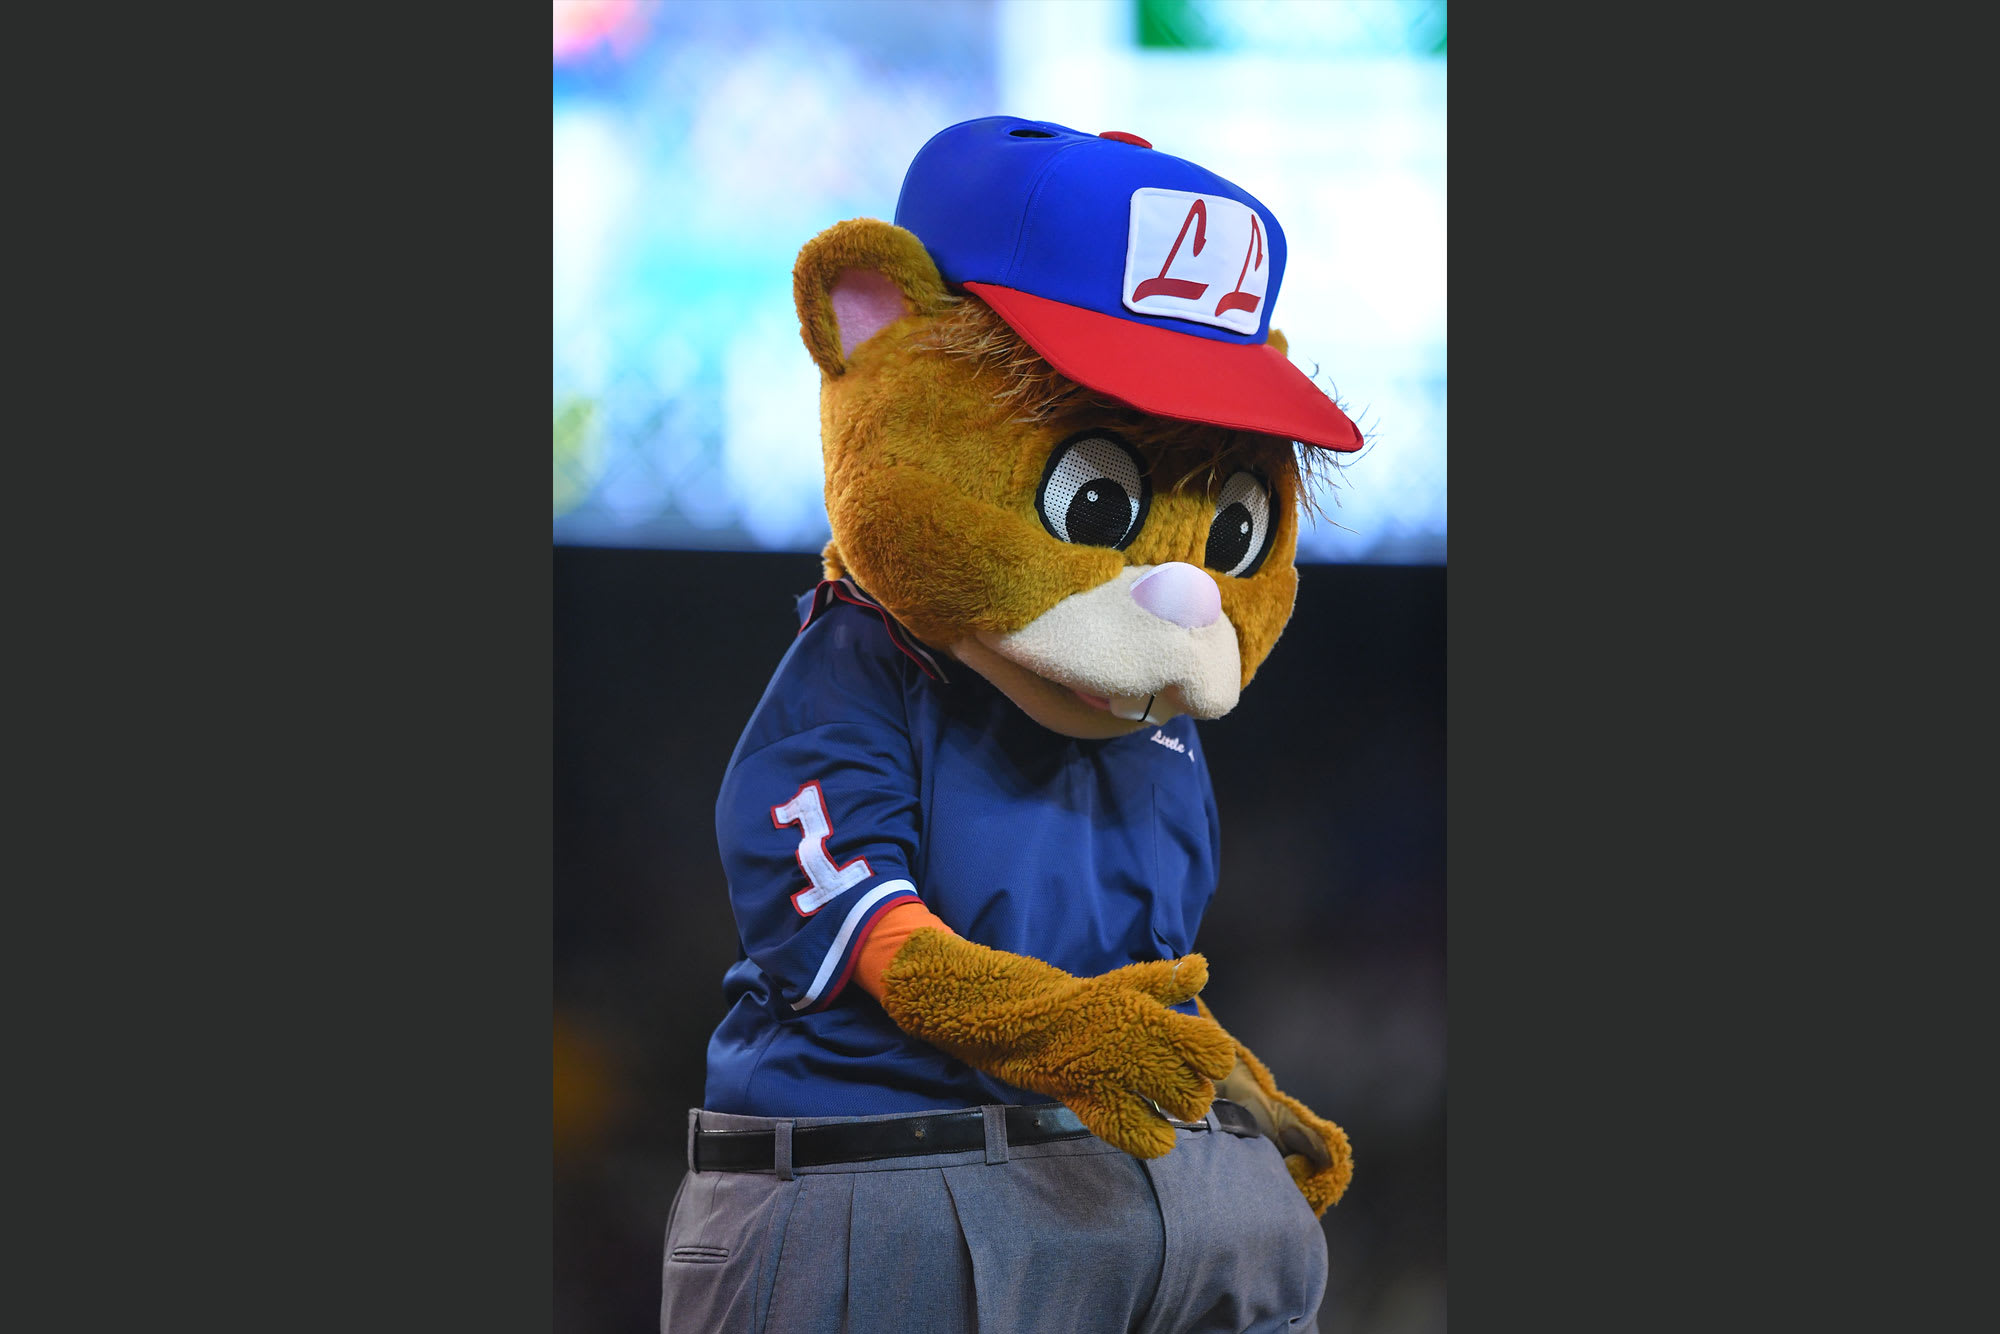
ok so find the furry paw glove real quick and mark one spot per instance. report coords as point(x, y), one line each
point(1107, 1047)
point(1316, 1150)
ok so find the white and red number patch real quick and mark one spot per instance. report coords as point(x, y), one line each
point(824, 880)
point(1197, 257)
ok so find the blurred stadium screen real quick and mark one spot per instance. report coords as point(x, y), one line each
point(700, 143)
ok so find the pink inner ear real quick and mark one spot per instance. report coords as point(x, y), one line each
point(864, 302)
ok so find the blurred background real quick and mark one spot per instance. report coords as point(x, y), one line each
point(697, 146)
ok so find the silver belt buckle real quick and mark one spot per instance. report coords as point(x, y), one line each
point(1178, 1125)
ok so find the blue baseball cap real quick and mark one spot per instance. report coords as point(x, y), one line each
point(1133, 272)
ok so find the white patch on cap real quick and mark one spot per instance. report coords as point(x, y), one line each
point(1196, 257)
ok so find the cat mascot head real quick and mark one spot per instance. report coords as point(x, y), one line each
point(1062, 441)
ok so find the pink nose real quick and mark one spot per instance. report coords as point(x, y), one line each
point(1181, 593)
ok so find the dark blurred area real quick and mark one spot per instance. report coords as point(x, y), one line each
point(1325, 940)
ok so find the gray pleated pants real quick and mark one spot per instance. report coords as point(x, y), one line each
point(1212, 1238)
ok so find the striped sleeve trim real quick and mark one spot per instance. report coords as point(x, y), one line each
point(838, 965)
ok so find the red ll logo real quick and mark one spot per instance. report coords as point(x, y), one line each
point(1240, 299)
point(1197, 218)
point(1163, 285)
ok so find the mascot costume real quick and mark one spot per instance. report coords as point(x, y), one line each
point(965, 1081)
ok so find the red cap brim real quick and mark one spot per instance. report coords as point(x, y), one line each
point(1245, 387)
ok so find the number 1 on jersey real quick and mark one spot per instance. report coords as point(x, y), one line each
point(807, 810)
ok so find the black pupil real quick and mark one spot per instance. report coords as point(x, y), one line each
point(1228, 538)
point(1099, 514)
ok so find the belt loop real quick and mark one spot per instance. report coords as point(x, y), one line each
point(1214, 1122)
point(996, 1133)
point(782, 1150)
point(694, 1129)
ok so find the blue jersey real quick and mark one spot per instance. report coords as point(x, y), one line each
point(874, 772)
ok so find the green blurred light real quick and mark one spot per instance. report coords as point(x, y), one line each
point(1174, 24)
point(1301, 27)
point(578, 455)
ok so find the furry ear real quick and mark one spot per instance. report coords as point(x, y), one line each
point(855, 279)
point(1277, 340)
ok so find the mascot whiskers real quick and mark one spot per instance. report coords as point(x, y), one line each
point(965, 1080)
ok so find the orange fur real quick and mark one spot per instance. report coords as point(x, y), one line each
point(935, 432)
point(1285, 1119)
point(934, 435)
point(1104, 1045)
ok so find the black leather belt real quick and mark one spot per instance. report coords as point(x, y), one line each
point(904, 1136)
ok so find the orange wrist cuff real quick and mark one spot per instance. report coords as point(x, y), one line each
point(891, 929)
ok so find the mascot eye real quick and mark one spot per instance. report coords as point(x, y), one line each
point(1094, 492)
point(1240, 534)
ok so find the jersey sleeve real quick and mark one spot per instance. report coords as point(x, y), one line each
point(819, 818)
